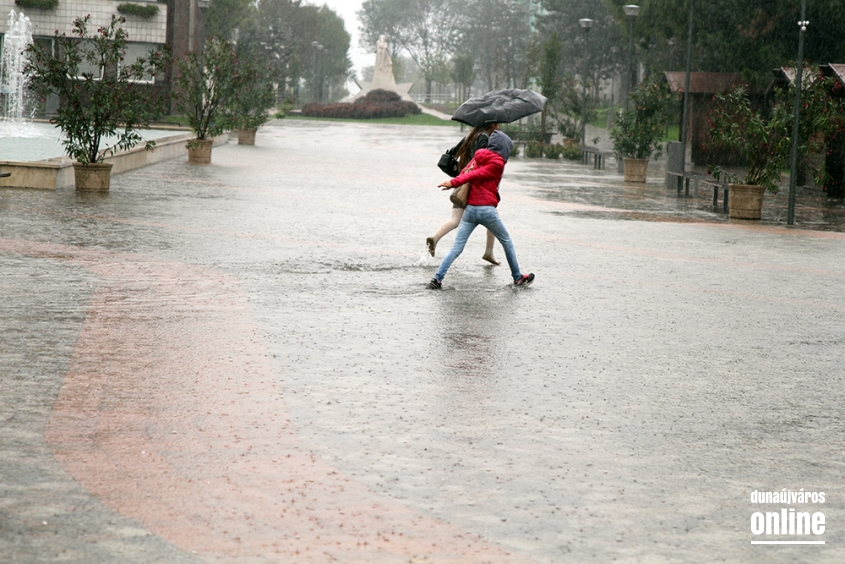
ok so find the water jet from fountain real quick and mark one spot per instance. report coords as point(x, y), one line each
point(13, 80)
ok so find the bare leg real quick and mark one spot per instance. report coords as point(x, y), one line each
point(451, 224)
point(488, 250)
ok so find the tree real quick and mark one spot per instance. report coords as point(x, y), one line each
point(377, 18)
point(99, 104)
point(747, 36)
point(561, 17)
point(224, 17)
point(284, 33)
point(548, 77)
point(463, 74)
point(334, 66)
point(498, 35)
point(428, 30)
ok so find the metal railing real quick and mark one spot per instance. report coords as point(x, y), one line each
point(445, 98)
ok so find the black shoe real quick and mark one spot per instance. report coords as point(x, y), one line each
point(525, 280)
point(436, 285)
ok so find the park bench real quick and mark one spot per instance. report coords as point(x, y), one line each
point(597, 155)
point(683, 184)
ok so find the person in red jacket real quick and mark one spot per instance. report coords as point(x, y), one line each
point(484, 173)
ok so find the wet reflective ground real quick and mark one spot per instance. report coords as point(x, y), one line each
point(241, 363)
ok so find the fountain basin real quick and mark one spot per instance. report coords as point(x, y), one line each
point(57, 172)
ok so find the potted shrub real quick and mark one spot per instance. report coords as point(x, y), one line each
point(762, 141)
point(254, 98)
point(554, 151)
point(100, 107)
point(207, 82)
point(533, 149)
point(638, 132)
point(762, 137)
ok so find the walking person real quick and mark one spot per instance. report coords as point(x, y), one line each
point(484, 181)
point(476, 139)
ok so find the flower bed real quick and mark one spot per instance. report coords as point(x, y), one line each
point(376, 104)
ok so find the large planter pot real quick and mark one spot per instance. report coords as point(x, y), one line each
point(92, 177)
point(199, 151)
point(246, 136)
point(745, 201)
point(635, 170)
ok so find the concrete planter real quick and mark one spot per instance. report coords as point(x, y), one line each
point(92, 177)
point(199, 151)
point(569, 141)
point(745, 201)
point(246, 136)
point(635, 170)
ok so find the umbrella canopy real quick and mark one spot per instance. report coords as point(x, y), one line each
point(500, 106)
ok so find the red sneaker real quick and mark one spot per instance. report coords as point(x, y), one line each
point(525, 280)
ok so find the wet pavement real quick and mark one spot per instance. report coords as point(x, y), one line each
point(241, 363)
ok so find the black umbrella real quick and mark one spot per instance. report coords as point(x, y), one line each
point(501, 106)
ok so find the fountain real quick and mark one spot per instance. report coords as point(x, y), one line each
point(14, 58)
point(13, 92)
point(33, 151)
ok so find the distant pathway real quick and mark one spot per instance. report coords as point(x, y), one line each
point(434, 113)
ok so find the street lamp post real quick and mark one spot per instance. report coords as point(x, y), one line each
point(317, 72)
point(586, 24)
point(612, 109)
point(631, 10)
point(684, 113)
point(793, 161)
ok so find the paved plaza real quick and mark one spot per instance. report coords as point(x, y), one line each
point(240, 363)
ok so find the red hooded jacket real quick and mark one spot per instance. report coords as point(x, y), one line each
point(484, 177)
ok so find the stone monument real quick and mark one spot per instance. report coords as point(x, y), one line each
point(383, 75)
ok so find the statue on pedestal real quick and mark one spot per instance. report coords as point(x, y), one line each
point(383, 75)
point(383, 71)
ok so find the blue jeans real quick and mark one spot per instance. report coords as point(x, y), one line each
point(489, 218)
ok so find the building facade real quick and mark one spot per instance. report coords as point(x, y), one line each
point(177, 24)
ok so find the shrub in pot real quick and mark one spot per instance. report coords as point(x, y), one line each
point(255, 96)
point(533, 149)
point(638, 132)
point(571, 152)
point(762, 137)
point(100, 107)
point(553, 151)
point(207, 83)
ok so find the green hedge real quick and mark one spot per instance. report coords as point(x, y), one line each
point(142, 10)
point(38, 4)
